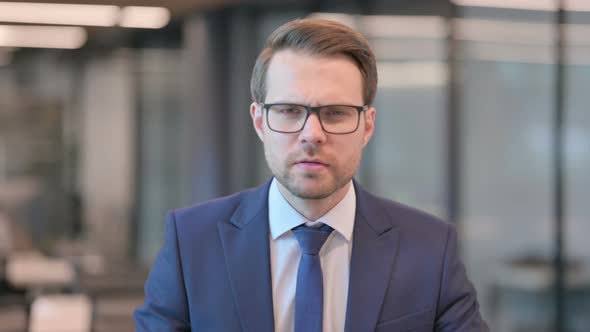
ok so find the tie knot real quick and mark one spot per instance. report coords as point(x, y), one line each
point(311, 239)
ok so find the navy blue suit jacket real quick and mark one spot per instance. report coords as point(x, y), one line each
point(213, 272)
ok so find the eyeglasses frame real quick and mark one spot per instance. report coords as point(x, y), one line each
point(314, 109)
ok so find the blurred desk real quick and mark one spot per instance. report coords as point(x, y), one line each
point(113, 279)
point(61, 313)
point(34, 271)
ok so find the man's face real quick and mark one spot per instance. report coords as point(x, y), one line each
point(313, 164)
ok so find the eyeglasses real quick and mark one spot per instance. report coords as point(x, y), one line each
point(334, 119)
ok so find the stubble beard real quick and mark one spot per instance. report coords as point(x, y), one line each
point(325, 185)
point(316, 192)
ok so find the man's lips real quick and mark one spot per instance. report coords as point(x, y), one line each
point(311, 161)
point(311, 164)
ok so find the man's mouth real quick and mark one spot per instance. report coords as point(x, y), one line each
point(311, 164)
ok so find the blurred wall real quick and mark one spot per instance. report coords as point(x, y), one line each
point(108, 155)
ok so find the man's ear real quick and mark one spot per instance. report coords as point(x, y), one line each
point(257, 119)
point(369, 125)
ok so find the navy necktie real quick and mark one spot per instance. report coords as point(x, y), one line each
point(309, 296)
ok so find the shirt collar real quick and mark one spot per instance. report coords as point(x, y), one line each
point(283, 217)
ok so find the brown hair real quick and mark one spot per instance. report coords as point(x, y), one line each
point(317, 37)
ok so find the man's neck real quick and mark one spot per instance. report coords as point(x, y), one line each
point(313, 209)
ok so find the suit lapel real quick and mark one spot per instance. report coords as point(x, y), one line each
point(374, 248)
point(246, 249)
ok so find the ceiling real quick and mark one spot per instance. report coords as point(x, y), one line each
point(177, 7)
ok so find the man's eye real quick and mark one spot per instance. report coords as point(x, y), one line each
point(335, 113)
point(338, 112)
point(289, 110)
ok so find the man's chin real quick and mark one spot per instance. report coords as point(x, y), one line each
point(312, 195)
point(310, 188)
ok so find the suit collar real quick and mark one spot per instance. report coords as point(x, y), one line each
point(370, 209)
point(245, 241)
point(374, 249)
point(254, 202)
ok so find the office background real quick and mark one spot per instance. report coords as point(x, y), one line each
point(483, 120)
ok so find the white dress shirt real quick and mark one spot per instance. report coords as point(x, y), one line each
point(334, 257)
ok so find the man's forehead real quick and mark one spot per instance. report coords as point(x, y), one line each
point(308, 79)
point(290, 57)
point(289, 65)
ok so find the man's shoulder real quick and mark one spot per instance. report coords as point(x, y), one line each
point(212, 211)
point(411, 220)
point(413, 216)
point(419, 232)
point(216, 208)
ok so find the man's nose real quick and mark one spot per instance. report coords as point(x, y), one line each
point(312, 131)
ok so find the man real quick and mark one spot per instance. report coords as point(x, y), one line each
point(310, 250)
